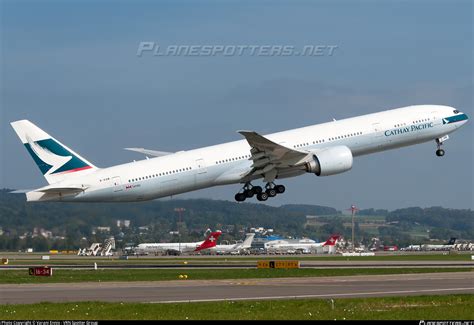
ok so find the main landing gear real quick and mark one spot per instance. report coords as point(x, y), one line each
point(439, 152)
point(249, 191)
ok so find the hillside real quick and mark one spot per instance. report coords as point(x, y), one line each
point(69, 225)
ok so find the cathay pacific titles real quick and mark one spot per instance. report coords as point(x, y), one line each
point(408, 129)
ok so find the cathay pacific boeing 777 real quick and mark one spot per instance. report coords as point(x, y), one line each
point(322, 150)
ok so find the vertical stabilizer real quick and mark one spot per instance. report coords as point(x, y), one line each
point(55, 160)
point(331, 241)
point(210, 241)
point(248, 241)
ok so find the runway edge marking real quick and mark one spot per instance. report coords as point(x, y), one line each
point(310, 296)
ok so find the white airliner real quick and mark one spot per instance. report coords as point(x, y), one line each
point(427, 247)
point(177, 248)
point(299, 245)
point(235, 248)
point(449, 245)
point(321, 149)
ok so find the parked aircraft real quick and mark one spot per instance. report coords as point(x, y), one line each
point(98, 249)
point(178, 248)
point(451, 244)
point(322, 149)
point(432, 247)
point(235, 248)
point(298, 245)
point(412, 248)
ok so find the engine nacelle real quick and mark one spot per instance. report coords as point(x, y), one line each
point(330, 161)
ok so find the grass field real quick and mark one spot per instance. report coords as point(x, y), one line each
point(448, 307)
point(101, 275)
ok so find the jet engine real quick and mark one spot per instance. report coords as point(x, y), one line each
point(329, 161)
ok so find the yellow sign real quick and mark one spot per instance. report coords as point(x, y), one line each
point(4, 261)
point(278, 264)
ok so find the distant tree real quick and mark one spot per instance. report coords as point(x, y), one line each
point(75, 221)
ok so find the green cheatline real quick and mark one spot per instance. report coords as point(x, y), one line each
point(446, 307)
point(101, 275)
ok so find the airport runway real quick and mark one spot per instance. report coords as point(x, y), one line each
point(242, 289)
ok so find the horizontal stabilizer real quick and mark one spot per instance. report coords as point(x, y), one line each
point(62, 190)
point(21, 191)
point(54, 193)
point(154, 153)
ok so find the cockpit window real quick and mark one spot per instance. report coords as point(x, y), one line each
point(456, 111)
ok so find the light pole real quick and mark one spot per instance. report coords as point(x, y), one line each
point(178, 224)
point(353, 211)
point(180, 212)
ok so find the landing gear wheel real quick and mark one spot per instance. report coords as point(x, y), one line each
point(240, 197)
point(262, 196)
point(280, 189)
point(271, 192)
point(247, 191)
point(440, 152)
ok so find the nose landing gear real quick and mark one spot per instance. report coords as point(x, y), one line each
point(439, 143)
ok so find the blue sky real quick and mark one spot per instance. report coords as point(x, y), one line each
point(71, 67)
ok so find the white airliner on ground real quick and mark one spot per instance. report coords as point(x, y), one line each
point(235, 248)
point(298, 245)
point(433, 247)
point(322, 149)
point(427, 247)
point(178, 248)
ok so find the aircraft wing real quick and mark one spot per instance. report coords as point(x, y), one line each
point(268, 157)
point(154, 153)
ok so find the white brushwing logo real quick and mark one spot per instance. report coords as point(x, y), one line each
point(48, 157)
